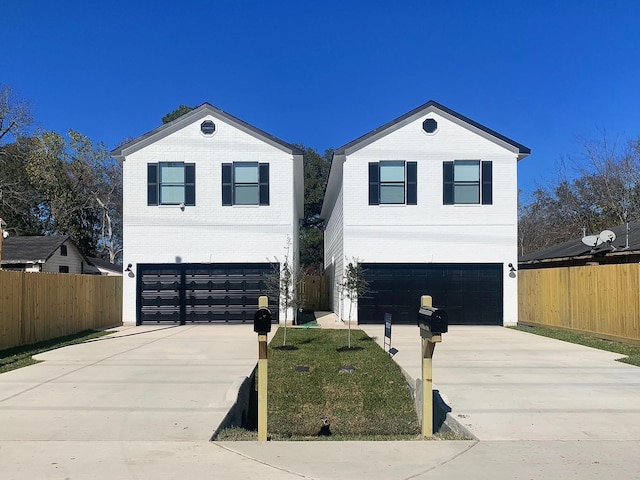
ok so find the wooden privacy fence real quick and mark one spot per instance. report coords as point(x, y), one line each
point(314, 291)
point(601, 299)
point(40, 306)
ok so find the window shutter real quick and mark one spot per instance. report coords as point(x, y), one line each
point(152, 184)
point(412, 183)
point(374, 183)
point(227, 184)
point(447, 183)
point(190, 184)
point(487, 183)
point(263, 180)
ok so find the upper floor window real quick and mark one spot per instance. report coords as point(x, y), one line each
point(245, 183)
point(171, 183)
point(393, 182)
point(63, 250)
point(467, 182)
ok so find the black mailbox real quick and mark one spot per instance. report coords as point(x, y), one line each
point(433, 319)
point(262, 321)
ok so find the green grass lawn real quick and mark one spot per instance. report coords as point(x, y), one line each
point(631, 352)
point(374, 400)
point(18, 357)
point(371, 403)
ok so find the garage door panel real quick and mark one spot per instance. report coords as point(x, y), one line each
point(160, 315)
point(230, 314)
point(161, 285)
point(470, 293)
point(200, 292)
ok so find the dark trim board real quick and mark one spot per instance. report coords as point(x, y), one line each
point(472, 294)
point(200, 293)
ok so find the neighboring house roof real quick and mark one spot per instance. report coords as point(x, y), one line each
point(102, 264)
point(575, 251)
point(417, 112)
point(198, 112)
point(31, 249)
point(335, 174)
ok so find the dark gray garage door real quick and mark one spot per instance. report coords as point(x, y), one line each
point(209, 293)
point(471, 294)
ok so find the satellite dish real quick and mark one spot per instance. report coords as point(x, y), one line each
point(607, 236)
point(592, 240)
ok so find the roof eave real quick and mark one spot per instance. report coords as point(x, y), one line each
point(122, 151)
point(332, 187)
point(379, 132)
point(595, 256)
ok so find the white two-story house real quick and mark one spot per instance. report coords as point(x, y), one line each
point(209, 203)
point(428, 205)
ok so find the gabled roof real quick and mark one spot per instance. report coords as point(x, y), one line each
point(189, 117)
point(417, 112)
point(334, 180)
point(31, 249)
point(624, 244)
point(103, 264)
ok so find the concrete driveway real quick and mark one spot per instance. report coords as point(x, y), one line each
point(503, 384)
point(143, 404)
point(142, 383)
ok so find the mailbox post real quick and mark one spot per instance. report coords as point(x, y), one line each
point(262, 326)
point(433, 322)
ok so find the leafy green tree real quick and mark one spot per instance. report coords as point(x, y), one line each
point(602, 191)
point(316, 172)
point(19, 200)
point(80, 187)
point(15, 115)
point(50, 184)
point(17, 195)
point(178, 112)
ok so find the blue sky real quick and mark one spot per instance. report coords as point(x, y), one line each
point(543, 73)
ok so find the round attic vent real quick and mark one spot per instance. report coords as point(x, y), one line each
point(429, 125)
point(208, 127)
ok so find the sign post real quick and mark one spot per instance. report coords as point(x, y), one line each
point(387, 332)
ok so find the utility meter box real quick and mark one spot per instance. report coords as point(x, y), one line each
point(262, 321)
point(434, 320)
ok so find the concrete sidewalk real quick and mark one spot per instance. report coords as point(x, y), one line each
point(144, 402)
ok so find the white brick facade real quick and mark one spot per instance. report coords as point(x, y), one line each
point(207, 232)
point(428, 232)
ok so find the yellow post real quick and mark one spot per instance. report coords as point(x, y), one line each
point(427, 387)
point(427, 378)
point(428, 346)
point(263, 302)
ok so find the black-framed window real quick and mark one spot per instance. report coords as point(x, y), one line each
point(467, 182)
point(63, 269)
point(63, 250)
point(245, 183)
point(171, 183)
point(393, 182)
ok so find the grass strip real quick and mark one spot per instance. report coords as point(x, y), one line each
point(371, 403)
point(309, 381)
point(631, 352)
point(18, 357)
